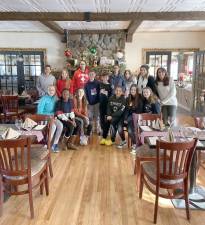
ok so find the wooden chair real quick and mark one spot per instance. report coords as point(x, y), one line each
point(10, 105)
point(169, 173)
point(144, 153)
point(43, 150)
point(18, 170)
point(142, 117)
point(200, 123)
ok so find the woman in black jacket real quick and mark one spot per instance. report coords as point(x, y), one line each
point(150, 102)
point(146, 80)
point(134, 104)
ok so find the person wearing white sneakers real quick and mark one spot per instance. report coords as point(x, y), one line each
point(114, 119)
point(134, 104)
point(81, 113)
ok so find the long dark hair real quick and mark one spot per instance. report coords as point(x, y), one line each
point(166, 77)
point(133, 99)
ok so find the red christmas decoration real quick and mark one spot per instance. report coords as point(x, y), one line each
point(68, 52)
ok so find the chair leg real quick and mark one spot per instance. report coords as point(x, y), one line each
point(1, 197)
point(141, 184)
point(136, 165)
point(198, 161)
point(41, 186)
point(46, 181)
point(138, 171)
point(50, 166)
point(156, 206)
point(186, 198)
point(30, 199)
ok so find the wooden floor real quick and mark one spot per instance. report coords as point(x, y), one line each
point(95, 186)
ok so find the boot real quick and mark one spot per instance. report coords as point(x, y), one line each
point(70, 143)
point(64, 143)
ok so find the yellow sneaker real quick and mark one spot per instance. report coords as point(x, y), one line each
point(108, 142)
point(102, 141)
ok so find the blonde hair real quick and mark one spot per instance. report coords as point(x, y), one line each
point(152, 98)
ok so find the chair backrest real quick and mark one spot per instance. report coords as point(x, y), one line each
point(149, 117)
point(173, 159)
point(10, 103)
point(199, 122)
point(15, 159)
point(43, 120)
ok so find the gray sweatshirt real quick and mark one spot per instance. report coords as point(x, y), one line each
point(43, 82)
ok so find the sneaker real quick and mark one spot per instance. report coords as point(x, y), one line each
point(102, 141)
point(122, 144)
point(108, 142)
point(83, 140)
point(55, 148)
point(134, 147)
point(133, 152)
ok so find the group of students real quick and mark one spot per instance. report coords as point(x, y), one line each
point(104, 104)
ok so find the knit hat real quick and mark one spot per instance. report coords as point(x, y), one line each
point(145, 66)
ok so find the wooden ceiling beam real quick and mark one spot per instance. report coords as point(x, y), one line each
point(53, 26)
point(132, 28)
point(96, 31)
point(67, 16)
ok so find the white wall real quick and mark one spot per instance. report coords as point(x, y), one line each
point(133, 51)
point(48, 40)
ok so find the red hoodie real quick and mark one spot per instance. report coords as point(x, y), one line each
point(79, 80)
point(62, 84)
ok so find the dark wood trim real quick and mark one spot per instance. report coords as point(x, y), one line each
point(132, 28)
point(96, 31)
point(53, 26)
point(80, 16)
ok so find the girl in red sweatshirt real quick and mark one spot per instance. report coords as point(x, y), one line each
point(63, 82)
point(80, 77)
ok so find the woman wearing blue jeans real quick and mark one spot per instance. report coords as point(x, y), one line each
point(47, 106)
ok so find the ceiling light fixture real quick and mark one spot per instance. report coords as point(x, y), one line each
point(87, 16)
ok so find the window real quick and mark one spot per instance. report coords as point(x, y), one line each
point(178, 62)
point(19, 69)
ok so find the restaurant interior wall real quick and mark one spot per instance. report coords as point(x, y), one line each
point(133, 51)
point(160, 40)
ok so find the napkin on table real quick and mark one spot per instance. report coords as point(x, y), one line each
point(29, 123)
point(10, 134)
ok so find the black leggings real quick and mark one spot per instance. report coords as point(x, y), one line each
point(115, 125)
point(69, 128)
point(131, 129)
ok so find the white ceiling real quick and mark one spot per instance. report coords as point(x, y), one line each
point(153, 26)
point(102, 6)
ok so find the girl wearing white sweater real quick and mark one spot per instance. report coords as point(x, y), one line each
point(167, 94)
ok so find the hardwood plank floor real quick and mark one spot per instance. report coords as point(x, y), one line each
point(96, 186)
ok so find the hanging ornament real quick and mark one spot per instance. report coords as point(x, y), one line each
point(93, 50)
point(119, 54)
point(68, 52)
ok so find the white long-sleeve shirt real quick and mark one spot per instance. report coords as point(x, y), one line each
point(167, 94)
